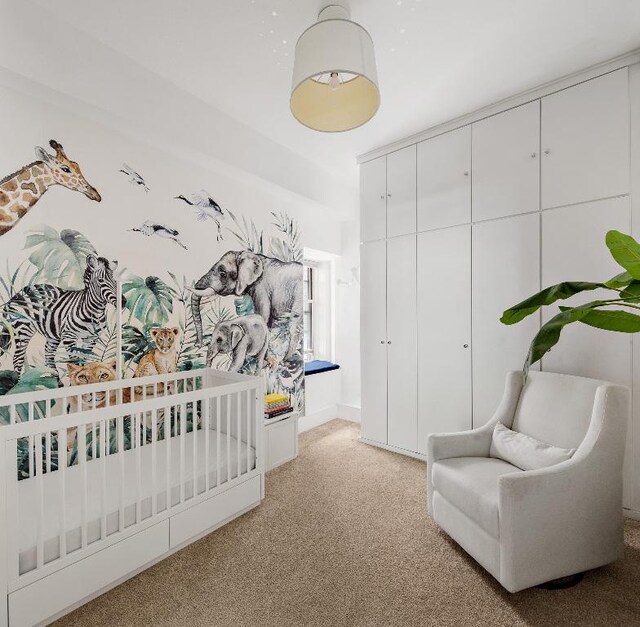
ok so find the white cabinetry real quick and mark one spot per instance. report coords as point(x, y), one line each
point(463, 225)
point(373, 342)
point(373, 200)
point(444, 180)
point(573, 248)
point(506, 163)
point(585, 141)
point(401, 192)
point(401, 342)
point(505, 271)
point(444, 332)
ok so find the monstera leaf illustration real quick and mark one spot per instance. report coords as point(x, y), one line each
point(60, 258)
point(32, 380)
point(149, 299)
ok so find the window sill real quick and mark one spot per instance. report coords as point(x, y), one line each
point(317, 366)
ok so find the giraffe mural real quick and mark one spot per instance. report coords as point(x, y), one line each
point(22, 189)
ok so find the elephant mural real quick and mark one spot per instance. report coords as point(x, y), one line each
point(274, 286)
point(242, 337)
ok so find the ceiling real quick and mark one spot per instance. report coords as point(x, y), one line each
point(437, 59)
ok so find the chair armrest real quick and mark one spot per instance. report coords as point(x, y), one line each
point(558, 521)
point(473, 443)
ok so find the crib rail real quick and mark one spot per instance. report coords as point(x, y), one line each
point(78, 481)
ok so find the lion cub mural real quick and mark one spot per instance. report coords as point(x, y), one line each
point(162, 359)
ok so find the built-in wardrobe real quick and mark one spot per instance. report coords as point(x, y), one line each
point(458, 227)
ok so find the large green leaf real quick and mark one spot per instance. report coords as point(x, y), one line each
point(626, 251)
point(60, 258)
point(612, 320)
point(619, 281)
point(549, 333)
point(550, 295)
point(150, 300)
point(631, 292)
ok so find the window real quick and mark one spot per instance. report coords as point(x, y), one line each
point(308, 293)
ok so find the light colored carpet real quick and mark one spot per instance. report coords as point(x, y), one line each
point(343, 539)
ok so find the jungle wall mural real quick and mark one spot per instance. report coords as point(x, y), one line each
point(231, 300)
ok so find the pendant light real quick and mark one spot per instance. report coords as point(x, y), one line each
point(335, 83)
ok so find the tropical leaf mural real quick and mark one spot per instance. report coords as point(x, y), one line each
point(247, 234)
point(287, 248)
point(32, 380)
point(149, 299)
point(59, 258)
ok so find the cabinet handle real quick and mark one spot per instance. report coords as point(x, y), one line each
point(534, 155)
point(547, 152)
point(389, 342)
point(465, 346)
point(381, 341)
point(389, 195)
point(466, 173)
point(382, 197)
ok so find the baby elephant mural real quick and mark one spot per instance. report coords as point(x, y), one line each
point(274, 286)
point(61, 316)
point(242, 337)
point(21, 190)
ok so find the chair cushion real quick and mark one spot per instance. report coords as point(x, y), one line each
point(524, 451)
point(471, 484)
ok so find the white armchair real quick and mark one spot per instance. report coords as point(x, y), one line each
point(531, 527)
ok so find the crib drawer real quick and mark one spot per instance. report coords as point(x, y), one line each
point(214, 511)
point(51, 595)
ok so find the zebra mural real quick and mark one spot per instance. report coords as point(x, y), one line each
point(62, 316)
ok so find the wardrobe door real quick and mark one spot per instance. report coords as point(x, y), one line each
point(573, 249)
point(506, 164)
point(373, 199)
point(505, 270)
point(444, 333)
point(585, 141)
point(373, 342)
point(401, 347)
point(444, 180)
point(401, 192)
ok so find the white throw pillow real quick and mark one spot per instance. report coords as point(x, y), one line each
point(524, 451)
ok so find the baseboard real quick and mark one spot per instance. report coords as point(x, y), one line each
point(349, 412)
point(394, 449)
point(318, 418)
point(631, 513)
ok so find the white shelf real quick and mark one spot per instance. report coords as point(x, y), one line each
point(277, 419)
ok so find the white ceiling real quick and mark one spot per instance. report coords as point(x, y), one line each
point(437, 59)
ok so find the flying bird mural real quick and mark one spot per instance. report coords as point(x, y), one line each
point(134, 177)
point(149, 229)
point(206, 208)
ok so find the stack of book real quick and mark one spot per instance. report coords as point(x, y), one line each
point(276, 405)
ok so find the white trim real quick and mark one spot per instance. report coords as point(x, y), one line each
point(631, 513)
point(318, 418)
point(349, 412)
point(507, 103)
point(394, 449)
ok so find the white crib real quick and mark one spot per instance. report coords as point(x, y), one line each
point(73, 525)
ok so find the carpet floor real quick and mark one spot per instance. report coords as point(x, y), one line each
point(343, 539)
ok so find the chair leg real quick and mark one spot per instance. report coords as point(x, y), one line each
point(562, 582)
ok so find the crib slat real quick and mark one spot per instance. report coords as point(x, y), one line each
point(12, 413)
point(82, 460)
point(247, 396)
point(12, 506)
point(62, 503)
point(183, 430)
point(206, 429)
point(154, 461)
point(194, 432)
point(228, 397)
point(239, 428)
point(120, 437)
point(136, 418)
point(40, 491)
point(218, 402)
point(104, 447)
point(167, 440)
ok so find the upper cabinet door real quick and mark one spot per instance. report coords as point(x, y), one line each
point(585, 141)
point(573, 249)
point(401, 192)
point(444, 180)
point(506, 163)
point(373, 199)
